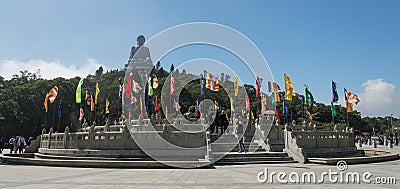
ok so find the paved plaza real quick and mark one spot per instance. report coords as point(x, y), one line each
point(239, 176)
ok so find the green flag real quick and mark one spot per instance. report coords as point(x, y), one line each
point(150, 84)
point(78, 92)
point(334, 113)
point(309, 96)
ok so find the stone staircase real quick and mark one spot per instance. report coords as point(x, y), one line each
point(225, 152)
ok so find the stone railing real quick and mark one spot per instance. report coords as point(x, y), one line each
point(117, 137)
point(301, 144)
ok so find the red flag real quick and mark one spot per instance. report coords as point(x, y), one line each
point(157, 105)
point(128, 86)
point(247, 103)
point(278, 117)
point(258, 92)
point(172, 85)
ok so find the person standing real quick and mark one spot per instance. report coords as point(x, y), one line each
point(1, 145)
point(223, 122)
point(21, 144)
point(11, 144)
point(239, 131)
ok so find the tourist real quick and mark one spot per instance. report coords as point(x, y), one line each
point(239, 134)
point(21, 144)
point(1, 145)
point(223, 122)
point(16, 144)
point(11, 144)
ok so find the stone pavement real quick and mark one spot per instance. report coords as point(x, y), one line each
point(243, 176)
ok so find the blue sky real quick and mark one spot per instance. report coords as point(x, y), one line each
point(355, 43)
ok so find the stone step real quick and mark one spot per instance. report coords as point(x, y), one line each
point(255, 159)
point(253, 162)
point(250, 154)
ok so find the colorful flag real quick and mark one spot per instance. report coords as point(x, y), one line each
point(278, 117)
point(136, 87)
point(78, 92)
point(263, 104)
point(53, 94)
point(150, 87)
point(232, 105)
point(81, 114)
point(258, 87)
point(209, 80)
point(107, 104)
point(155, 81)
point(309, 115)
point(141, 108)
point(97, 92)
point(59, 110)
point(91, 103)
point(349, 107)
point(347, 94)
point(177, 106)
point(45, 103)
point(235, 85)
point(355, 100)
point(247, 103)
point(172, 85)
point(216, 85)
point(309, 97)
point(197, 108)
point(288, 87)
point(334, 112)
point(120, 88)
point(128, 86)
point(285, 108)
point(335, 96)
point(157, 105)
point(202, 85)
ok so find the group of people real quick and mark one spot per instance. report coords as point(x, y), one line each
point(16, 144)
point(220, 121)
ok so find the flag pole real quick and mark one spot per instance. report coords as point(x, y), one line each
point(59, 118)
point(54, 113)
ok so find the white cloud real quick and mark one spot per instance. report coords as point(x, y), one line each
point(379, 98)
point(48, 69)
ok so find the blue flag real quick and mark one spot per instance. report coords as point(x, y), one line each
point(285, 108)
point(59, 110)
point(202, 85)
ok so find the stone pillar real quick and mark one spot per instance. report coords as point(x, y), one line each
point(50, 133)
point(66, 136)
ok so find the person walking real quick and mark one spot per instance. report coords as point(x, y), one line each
point(11, 144)
point(239, 131)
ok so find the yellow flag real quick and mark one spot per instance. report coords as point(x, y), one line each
point(97, 92)
point(288, 87)
point(232, 107)
point(91, 103)
point(107, 104)
point(166, 111)
point(235, 85)
point(252, 115)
